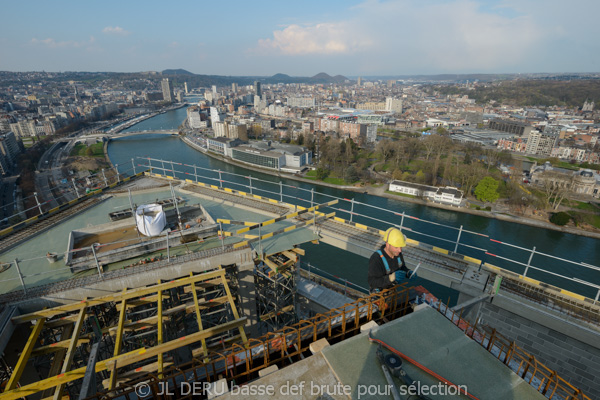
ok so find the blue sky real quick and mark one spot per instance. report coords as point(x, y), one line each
point(302, 38)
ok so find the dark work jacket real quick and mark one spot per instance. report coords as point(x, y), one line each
point(378, 278)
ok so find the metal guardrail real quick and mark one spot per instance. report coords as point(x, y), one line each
point(525, 365)
point(247, 184)
point(240, 364)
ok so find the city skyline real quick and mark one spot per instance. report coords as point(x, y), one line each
point(350, 38)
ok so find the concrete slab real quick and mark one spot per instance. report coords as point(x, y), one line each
point(37, 271)
point(432, 340)
point(368, 326)
point(319, 345)
point(320, 295)
point(310, 379)
point(269, 370)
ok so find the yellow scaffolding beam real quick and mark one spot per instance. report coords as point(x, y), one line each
point(251, 225)
point(118, 341)
point(116, 297)
point(70, 351)
point(199, 317)
point(65, 349)
point(159, 307)
point(20, 367)
point(122, 360)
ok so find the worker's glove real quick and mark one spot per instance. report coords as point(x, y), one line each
point(399, 276)
point(411, 274)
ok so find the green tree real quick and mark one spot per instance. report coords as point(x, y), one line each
point(351, 174)
point(560, 218)
point(89, 152)
point(322, 173)
point(487, 190)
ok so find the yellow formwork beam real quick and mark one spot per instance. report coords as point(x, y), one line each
point(118, 341)
point(233, 307)
point(159, 306)
point(117, 297)
point(288, 229)
point(57, 346)
point(70, 352)
point(18, 371)
point(250, 226)
point(198, 316)
point(122, 360)
point(58, 359)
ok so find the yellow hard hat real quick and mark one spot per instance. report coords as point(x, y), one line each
point(395, 237)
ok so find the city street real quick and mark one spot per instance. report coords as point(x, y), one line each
point(7, 198)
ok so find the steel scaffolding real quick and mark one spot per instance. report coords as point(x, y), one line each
point(127, 334)
point(275, 284)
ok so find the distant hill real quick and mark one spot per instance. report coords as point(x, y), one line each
point(532, 92)
point(176, 72)
point(326, 78)
point(319, 78)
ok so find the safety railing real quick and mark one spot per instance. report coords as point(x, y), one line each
point(468, 242)
point(542, 378)
point(434, 233)
point(78, 189)
point(240, 364)
point(340, 284)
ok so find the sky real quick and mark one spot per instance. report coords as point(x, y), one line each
point(302, 38)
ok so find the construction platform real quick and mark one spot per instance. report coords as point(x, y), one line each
point(26, 266)
point(350, 369)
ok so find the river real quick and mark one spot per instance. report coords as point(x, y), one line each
point(347, 265)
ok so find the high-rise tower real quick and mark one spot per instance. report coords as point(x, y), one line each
point(257, 88)
point(167, 90)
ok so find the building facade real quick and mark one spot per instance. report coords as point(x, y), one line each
point(520, 129)
point(393, 105)
point(9, 150)
point(167, 90)
point(447, 195)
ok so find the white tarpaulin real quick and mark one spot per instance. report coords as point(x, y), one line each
point(150, 219)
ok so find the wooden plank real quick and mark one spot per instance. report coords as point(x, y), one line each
point(159, 300)
point(234, 308)
point(122, 360)
point(136, 373)
point(20, 367)
point(70, 352)
point(198, 316)
point(145, 353)
point(299, 251)
point(118, 341)
point(116, 297)
point(291, 255)
point(58, 359)
point(57, 346)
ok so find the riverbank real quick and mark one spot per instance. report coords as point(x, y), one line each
point(381, 192)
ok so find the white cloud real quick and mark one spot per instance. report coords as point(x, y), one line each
point(54, 44)
point(410, 36)
point(115, 30)
point(327, 38)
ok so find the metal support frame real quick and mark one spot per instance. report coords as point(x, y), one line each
point(20, 367)
point(38, 203)
point(104, 176)
point(529, 264)
point(458, 239)
point(275, 283)
point(141, 313)
point(20, 274)
point(70, 352)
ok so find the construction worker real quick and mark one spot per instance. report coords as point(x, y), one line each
point(386, 265)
